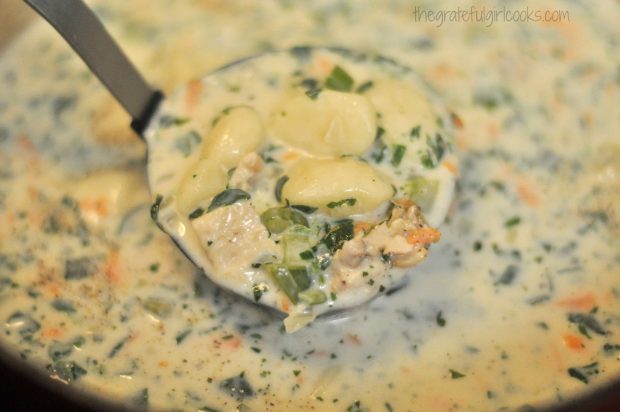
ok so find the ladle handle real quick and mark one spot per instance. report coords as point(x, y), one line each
point(85, 33)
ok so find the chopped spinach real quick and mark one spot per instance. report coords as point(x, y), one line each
point(196, 213)
point(63, 305)
point(305, 209)
point(508, 275)
point(188, 142)
point(338, 234)
point(227, 197)
point(80, 268)
point(583, 373)
point(24, 323)
point(364, 87)
point(586, 322)
point(237, 387)
point(66, 372)
point(344, 202)
point(279, 186)
point(397, 154)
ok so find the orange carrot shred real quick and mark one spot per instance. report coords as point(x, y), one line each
point(573, 342)
point(423, 235)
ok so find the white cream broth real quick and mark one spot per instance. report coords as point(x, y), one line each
point(335, 134)
point(518, 304)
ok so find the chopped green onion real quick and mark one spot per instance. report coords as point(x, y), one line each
point(278, 219)
point(312, 297)
point(339, 80)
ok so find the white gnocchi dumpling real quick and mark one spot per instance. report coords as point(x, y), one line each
point(331, 123)
point(358, 188)
point(203, 181)
point(237, 133)
point(402, 107)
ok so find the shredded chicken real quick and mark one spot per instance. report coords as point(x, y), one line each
point(234, 238)
point(246, 174)
point(403, 240)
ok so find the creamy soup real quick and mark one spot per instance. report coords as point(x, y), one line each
point(303, 179)
point(517, 304)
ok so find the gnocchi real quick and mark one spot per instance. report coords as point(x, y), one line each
point(358, 189)
point(331, 123)
point(236, 133)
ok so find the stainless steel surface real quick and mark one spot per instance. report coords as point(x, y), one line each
point(89, 38)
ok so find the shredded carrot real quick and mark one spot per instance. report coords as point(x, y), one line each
point(99, 206)
point(112, 267)
point(284, 304)
point(194, 88)
point(573, 342)
point(354, 339)
point(451, 166)
point(325, 65)
point(361, 227)
point(53, 289)
point(583, 302)
point(527, 194)
point(163, 364)
point(456, 120)
point(51, 333)
point(493, 129)
point(290, 155)
point(232, 343)
point(423, 235)
point(404, 203)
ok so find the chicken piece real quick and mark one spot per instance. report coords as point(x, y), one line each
point(404, 239)
point(247, 172)
point(234, 238)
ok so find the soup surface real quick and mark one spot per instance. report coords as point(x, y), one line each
point(518, 304)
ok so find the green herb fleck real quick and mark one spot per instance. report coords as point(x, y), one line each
point(513, 221)
point(348, 202)
point(415, 132)
point(456, 374)
point(397, 154)
point(181, 336)
point(441, 321)
point(364, 87)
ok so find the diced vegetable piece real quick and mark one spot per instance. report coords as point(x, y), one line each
point(278, 219)
point(312, 297)
point(300, 275)
point(339, 80)
point(294, 242)
point(284, 279)
point(312, 183)
point(422, 191)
